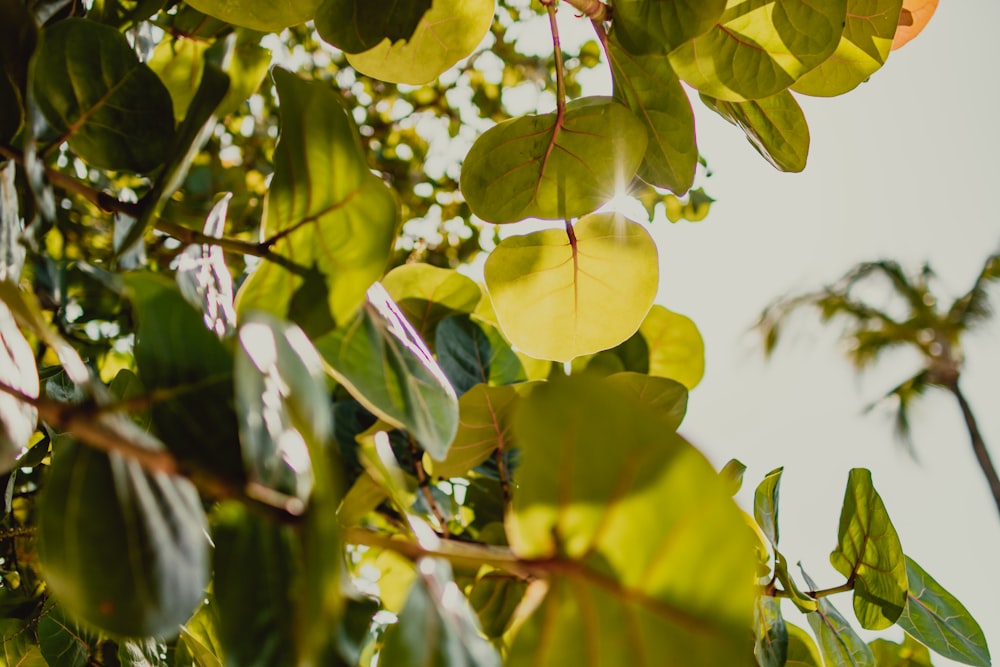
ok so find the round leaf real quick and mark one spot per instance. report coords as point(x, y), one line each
point(427, 294)
point(913, 18)
point(676, 349)
point(263, 15)
point(557, 300)
point(644, 26)
point(354, 26)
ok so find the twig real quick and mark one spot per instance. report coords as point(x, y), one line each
point(557, 49)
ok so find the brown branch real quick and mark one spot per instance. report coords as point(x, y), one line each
point(595, 10)
point(188, 236)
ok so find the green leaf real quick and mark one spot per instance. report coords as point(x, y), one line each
point(354, 26)
point(838, 642)
point(805, 603)
point(649, 87)
point(332, 221)
point(436, 627)
point(61, 639)
point(775, 126)
point(472, 352)
point(263, 15)
point(732, 473)
point(386, 366)
point(664, 397)
point(557, 299)
point(94, 92)
point(176, 354)
point(18, 371)
point(863, 48)
point(554, 168)
point(645, 26)
point(448, 32)
point(18, 38)
point(676, 349)
point(427, 294)
point(868, 553)
point(18, 647)
point(495, 597)
point(765, 504)
point(634, 528)
point(760, 47)
point(771, 647)
point(910, 653)
point(483, 426)
point(198, 644)
point(935, 618)
point(147, 652)
point(141, 567)
point(802, 651)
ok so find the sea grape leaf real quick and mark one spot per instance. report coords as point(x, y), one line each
point(676, 349)
point(556, 299)
point(384, 364)
point(19, 371)
point(760, 47)
point(61, 639)
point(733, 473)
point(771, 646)
point(775, 126)
point(934, 617)
point(427, 294)
point(175, 353)
point(177, 61)
point(805, 603)
point(483, 426)
point(634, 527)
point(94, 92)
point(495, 597)
point(765, 504)
point(436, 626)
point(802, 651)
point(649, 87)
point(913, 18)
point(17, 646)
point(554, 168)
point(662, 396)
point(448, 32)
point(645, 26)
point(869, 554)
point(354, 26)
point(863, 48)
point(910, 653)
point(198, 642)
point(262, 15)
point(139, 571)
point(18, 38)
point(332, 221)
point(472, 352)
point(838, 642)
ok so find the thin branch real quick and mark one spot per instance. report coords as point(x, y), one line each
point(425, 487)
point(187, 235)
point(978, 444)
point(817, 594)
point(560, 70)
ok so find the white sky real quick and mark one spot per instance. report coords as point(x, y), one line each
point(904, 167)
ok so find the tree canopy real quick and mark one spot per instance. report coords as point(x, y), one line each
point(255, 411)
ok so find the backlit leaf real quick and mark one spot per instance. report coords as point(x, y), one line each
point(263, 15)
point(354, 26)
point(483, 426)
point(662, 396)
point(18, 371)
point(653, 555)
point(16, 645)
point(648, 86)
point(913, 18)
point(760, 47)
point(139, 571)
point(448, 32)
point(802, 651)
point(427, 294)
point(733, 473)
point(645, 26)
point(910, 653)
point(333, 222)
point(838, 642)
point(552, 168)
point(556, 300)
point(61, 639)
point(771, 647)
point(382, 361)
point(472, 352)
point(495, 597)
point(765, 504)
point(863, 48)
point(676, 349)
point(805, 603)
point(775, 126)
point(95, 93)
point(936, 618)
point(203, 277)
point(869, 554)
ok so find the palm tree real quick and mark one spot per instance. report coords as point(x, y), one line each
point(912, 319)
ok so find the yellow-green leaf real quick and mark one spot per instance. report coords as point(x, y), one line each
point(645, 26)
point(775, 126)
point(557, 299)
point(676, 349)
point(427, 294)
point(802, 651)
point(483, 426)
point(263, 15)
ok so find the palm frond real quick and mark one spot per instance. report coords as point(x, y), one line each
point(904, 395)
point(974, 306)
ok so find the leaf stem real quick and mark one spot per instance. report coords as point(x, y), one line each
point(817, 594)
point(560, 71)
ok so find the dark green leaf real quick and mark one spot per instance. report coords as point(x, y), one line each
point(934, 617)
point(61, 639)
point(18, 38)
point(388, 369)
point(775, 126)
point(472, 352)
point(94, 92)
point(765, 504)
point(552, 168)
point(332, 221)
point(868, 553)
point(141, 568)
point(354, 26)
point(175, 352)
point(644, 26)
point(771, 647)
point(495, 596)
